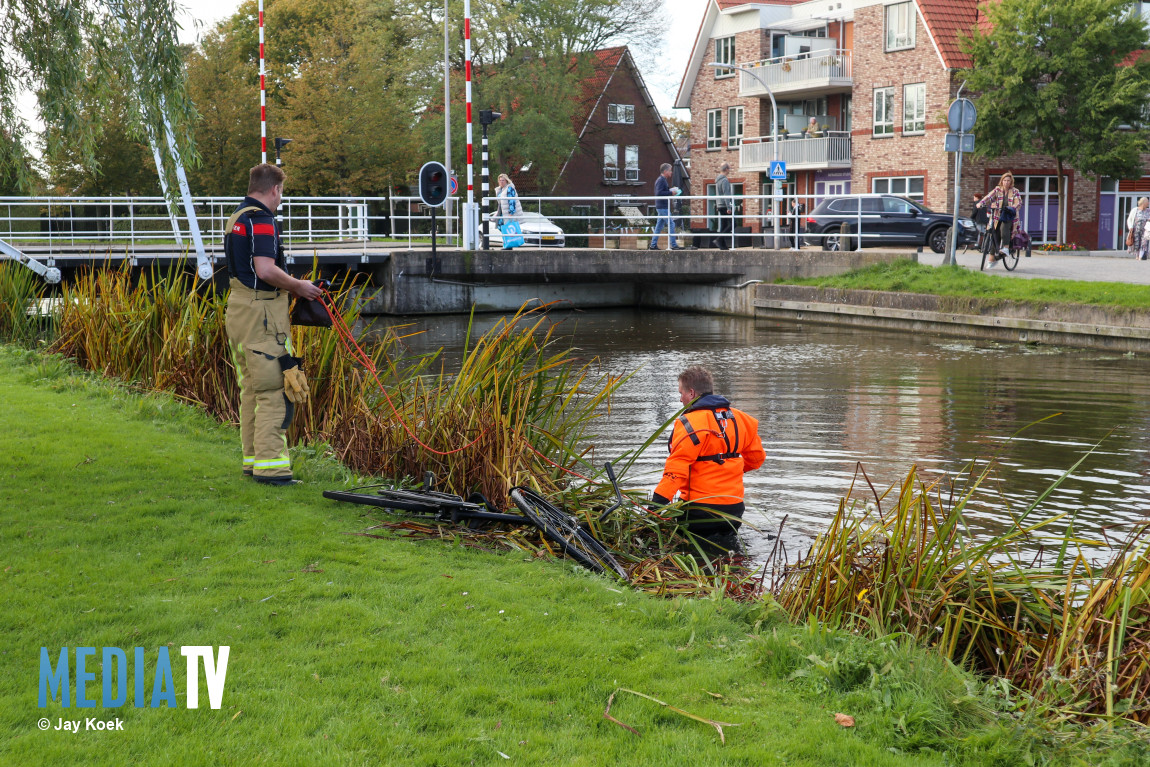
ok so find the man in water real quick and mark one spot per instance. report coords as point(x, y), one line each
point(711, 446)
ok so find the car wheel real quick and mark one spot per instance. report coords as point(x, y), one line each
point(937, 239)
point(832, 241)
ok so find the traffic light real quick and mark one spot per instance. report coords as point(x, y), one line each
point(433, 184)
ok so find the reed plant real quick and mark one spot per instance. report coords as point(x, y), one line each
point(520, 409)
point(1019, 604)
point(21, 294)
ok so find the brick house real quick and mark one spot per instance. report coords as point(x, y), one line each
point(877, 76)
point(621, 141)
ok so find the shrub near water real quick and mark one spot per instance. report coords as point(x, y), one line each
point(20, 292)
point(1074, 636)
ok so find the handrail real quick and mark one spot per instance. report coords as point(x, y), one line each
point(137, 224)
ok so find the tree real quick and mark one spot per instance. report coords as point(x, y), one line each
point(1062, 79)
point(677, 127)
point(74, 55)
point(123, 165)
point(223, 83)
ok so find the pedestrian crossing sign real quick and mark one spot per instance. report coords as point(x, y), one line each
point(778, 170)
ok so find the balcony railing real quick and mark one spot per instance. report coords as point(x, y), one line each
point(831, 150)
point(827, 72)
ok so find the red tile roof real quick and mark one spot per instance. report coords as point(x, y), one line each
point(947, 21)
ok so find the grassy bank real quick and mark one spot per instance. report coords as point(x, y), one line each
point(905, 276)
point(123, 522)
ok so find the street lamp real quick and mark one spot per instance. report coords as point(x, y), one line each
point(774, 139)
point(487, 117)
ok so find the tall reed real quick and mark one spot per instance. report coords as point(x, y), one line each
point(21, 292)
point(1074, 636)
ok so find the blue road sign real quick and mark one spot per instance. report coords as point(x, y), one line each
point(454, 185)
point(778, 170)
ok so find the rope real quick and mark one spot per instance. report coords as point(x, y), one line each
point(356, 351)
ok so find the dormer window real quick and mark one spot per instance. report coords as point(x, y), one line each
point(724, 54)
point(900, 26)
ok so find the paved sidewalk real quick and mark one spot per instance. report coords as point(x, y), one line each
point(1094, 268)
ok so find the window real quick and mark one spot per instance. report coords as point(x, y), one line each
point(714, 129)
point(631, 162)
point(724, 54)
point(884, 112)
point(610, 162)
point(734, 126)
point(900, 26)
point(907, 186)
point(849, 205)
point(847, 104)
point(914, 108)
point(621, 113)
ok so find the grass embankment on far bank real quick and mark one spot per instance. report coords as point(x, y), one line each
point(906, 276)
point(124, 522)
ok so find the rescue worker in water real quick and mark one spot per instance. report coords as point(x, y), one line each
point(711, 446)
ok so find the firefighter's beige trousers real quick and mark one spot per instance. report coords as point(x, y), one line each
point(259, 334)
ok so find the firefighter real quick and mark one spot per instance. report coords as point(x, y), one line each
point(711, 446)
point(259, 331)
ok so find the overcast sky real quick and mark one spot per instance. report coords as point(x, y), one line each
point(683, 17)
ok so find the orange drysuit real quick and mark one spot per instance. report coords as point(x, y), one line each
point(712, 445)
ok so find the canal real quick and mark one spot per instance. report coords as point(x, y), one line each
point(830, 398)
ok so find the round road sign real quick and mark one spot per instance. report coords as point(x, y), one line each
point(961, 115)
point(454, 185)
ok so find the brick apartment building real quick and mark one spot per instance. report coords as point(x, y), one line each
point(877, 76)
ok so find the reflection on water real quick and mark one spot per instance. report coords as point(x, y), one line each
point(827, 398)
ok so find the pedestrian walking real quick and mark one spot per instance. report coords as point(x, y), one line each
point(663, 194)
point(725, 208)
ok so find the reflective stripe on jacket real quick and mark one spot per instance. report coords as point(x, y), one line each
point(712, 445)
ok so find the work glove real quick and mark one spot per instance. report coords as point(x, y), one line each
point(295, 382)
point(295, 386)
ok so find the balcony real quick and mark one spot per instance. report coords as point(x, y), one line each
point(830, 150)
point(806, 74)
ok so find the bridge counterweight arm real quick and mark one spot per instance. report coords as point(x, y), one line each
point(50, 274)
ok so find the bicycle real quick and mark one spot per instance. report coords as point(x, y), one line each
point(990, 244)
point(556, 525)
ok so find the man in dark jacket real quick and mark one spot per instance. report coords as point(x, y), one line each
point(724, 207)
point(259, 330)
point(664, 192)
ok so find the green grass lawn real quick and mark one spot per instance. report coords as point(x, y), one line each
point(124, 522)
point(906, 276)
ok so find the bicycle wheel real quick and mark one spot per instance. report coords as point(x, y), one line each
point(562, 529)
point(989, 245)
point(1011, 261)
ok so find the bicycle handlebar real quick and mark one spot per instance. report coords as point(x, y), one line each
point(618, 493)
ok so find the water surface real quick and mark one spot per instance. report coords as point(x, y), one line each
point(828, 398)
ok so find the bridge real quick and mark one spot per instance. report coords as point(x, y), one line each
point(388, 240)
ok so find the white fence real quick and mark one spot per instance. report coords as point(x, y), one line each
point(139, 224)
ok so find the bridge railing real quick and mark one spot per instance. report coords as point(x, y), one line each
point(48, 223)
point(136, 222)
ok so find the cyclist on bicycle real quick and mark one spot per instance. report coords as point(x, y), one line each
point(1005, 204)
point(712, 445)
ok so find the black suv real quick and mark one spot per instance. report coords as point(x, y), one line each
point(897, 221)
